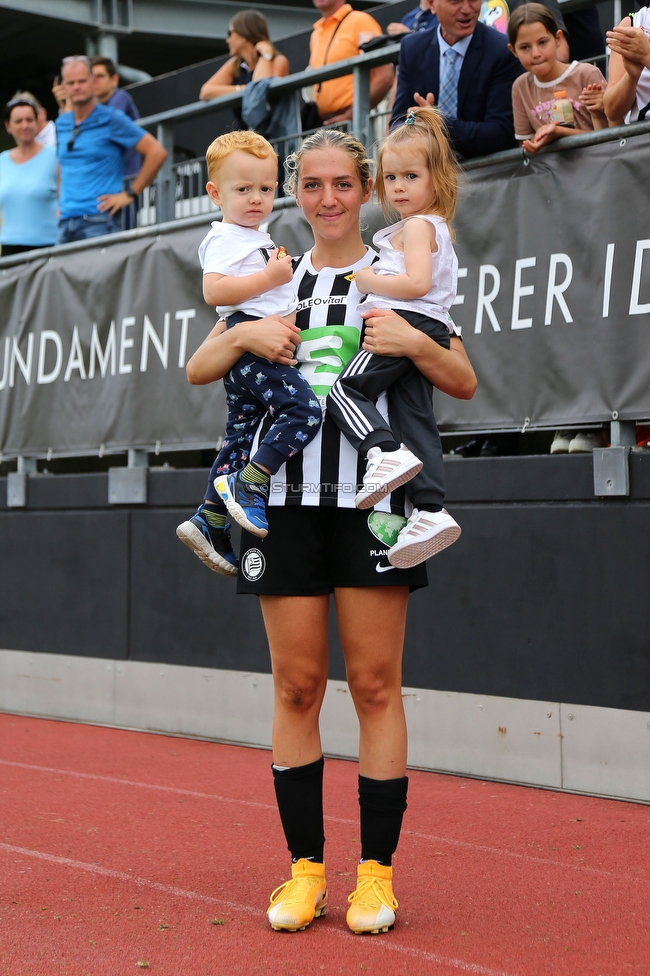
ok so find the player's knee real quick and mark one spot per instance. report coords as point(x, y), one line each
point(372, 692)
point(300, 693)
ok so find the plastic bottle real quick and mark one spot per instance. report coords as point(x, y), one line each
point(562, 110)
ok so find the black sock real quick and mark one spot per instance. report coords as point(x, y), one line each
point(299, 792)
point(428, 507)
point(382, 802)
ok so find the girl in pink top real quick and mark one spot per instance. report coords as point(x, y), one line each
point(535, 40)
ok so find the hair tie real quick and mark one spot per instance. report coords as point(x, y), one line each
point(410, 119)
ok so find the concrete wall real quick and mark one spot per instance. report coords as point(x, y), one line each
point(526, 659)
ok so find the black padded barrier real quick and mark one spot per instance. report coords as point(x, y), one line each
point(545, 596)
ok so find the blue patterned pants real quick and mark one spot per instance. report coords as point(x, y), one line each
point(256, 388)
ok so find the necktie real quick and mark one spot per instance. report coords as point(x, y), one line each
point(448, 97)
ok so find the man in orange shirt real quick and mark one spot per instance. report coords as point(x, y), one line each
point(334, 38)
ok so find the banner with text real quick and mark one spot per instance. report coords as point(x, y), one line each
point(554, 290)
point(93, 347)
point(553, 303)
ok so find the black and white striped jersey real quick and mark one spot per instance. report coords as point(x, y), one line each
point(329, 470)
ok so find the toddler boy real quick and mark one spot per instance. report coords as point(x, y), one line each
point(247, 278)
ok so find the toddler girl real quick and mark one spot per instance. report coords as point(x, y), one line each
point(416, 275)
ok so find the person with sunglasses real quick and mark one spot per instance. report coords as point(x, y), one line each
point(28, 183)
point(252, 57)
point(92, 141)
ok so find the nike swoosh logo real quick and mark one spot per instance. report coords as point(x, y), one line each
point(383, 569)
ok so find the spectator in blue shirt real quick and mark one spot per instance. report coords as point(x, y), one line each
point(420, 18)
point(106, 81)
point(28, 183)
point(92, 141)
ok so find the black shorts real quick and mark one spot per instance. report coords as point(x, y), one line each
point(310, 551)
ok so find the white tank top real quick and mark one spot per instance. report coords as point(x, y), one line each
point(444, 272)
point(641, 19)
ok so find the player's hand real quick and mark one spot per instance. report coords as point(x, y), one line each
point(387, 333)
point(279, 270)
point(271, 338)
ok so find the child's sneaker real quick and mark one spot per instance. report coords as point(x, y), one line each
point(372, 904)
point(425, 534)
point(386, 471)
point(211, 544)
point(246, 502)
point(299, 901)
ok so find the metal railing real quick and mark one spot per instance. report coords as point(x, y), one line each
point(360, 126)
point(178, 195)
point(586, 139)
point(178, 192)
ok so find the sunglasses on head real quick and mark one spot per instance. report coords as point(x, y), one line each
point(19, 101)
point(76, 57)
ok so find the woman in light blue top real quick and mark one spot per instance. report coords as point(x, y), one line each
point(28, 183)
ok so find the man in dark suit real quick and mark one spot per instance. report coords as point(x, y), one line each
point(466, 70)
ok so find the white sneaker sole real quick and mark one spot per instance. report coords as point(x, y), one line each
point(235, 509)
point(409, 553)
point(375, 491)
point(194, 539)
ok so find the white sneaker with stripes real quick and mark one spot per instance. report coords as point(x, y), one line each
point(386, 471)
point(425, 534)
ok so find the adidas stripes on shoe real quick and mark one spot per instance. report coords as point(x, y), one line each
point(386, 471)
point(424, 535)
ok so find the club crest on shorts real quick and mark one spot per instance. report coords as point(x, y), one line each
point(386, 527)
point(252, 565)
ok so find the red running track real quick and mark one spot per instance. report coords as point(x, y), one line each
point(122, 852)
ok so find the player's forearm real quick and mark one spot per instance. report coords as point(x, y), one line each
point(449, 370)
point(228, 290)
point(216, 355)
